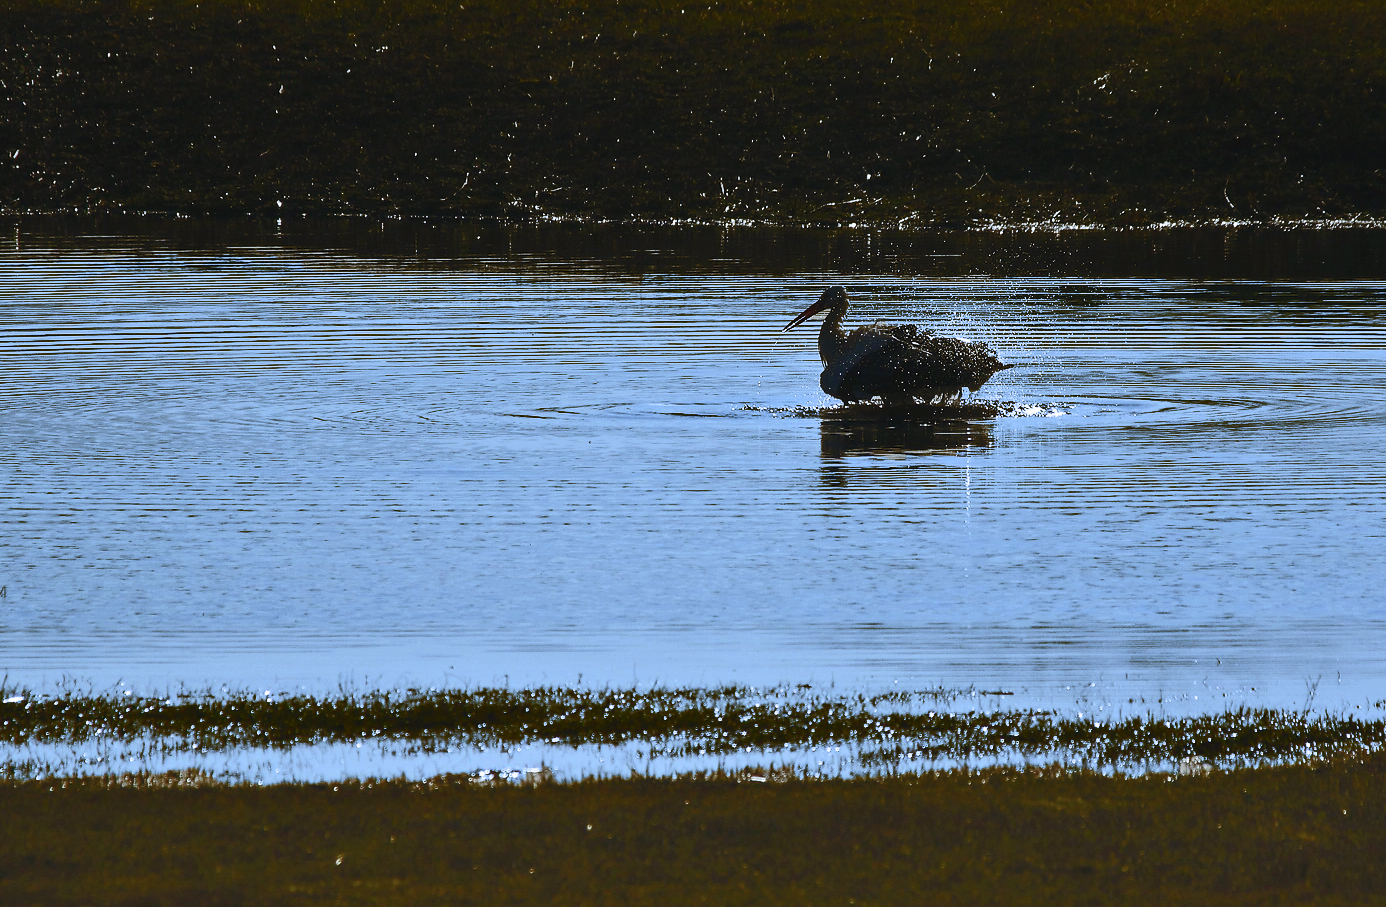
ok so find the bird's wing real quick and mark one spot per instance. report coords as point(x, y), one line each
point(875, 362)
point(955, 361)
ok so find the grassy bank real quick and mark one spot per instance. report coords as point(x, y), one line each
point(873, 110)
point(1291, 835)
point(1305, 825)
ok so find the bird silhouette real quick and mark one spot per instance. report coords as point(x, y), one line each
point(900, 363)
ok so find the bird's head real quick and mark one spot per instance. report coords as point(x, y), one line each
point(832, 296)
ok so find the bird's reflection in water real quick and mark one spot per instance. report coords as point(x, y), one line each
point(853, 431)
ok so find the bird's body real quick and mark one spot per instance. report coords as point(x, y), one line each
point(900, 363)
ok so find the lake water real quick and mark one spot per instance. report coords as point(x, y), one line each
point(271, 456)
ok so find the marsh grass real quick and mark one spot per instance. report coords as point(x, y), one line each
point(884, 733)
point(920, 113)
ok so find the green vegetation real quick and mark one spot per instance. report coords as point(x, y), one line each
point(1292, 835)
point(888, 732)
point(918, 113)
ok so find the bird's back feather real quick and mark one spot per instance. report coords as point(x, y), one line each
point(899, 360)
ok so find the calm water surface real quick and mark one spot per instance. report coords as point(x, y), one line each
point(269, 464)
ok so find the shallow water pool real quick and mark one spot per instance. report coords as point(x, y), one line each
point(256, 462)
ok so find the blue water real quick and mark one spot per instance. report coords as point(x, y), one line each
point(270, 465)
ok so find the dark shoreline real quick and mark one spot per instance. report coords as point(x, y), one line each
point(922, 116)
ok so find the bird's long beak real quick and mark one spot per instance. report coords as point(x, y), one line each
point(808, 313)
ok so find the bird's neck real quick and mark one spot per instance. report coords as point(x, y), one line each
point(832, 339)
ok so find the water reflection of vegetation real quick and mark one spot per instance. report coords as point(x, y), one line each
point(887, 731)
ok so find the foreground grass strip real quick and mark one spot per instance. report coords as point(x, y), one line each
point(1285, 835)
point(887, 730)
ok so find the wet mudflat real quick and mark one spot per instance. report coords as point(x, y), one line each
point(469, 461)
